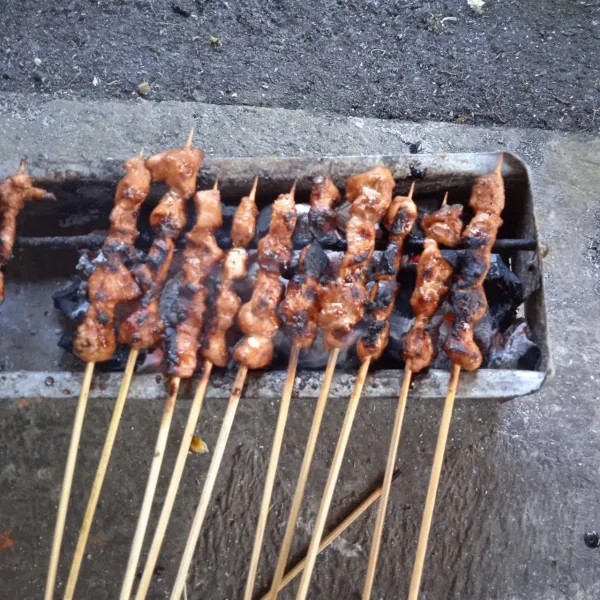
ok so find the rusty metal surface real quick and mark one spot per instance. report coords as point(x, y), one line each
point(28, 351)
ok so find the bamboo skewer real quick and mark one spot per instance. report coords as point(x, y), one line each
point(100, 474)
point(209, 484)
point(436, 470)
point(334, 471)
point(284, 407)
point(303, 477)
point(63, 504)
point(157, 458)
point(387, 481)
point(335, 533)
point(167, 508)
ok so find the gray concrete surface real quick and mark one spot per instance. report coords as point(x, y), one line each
point(517, 63)
point(520, 482)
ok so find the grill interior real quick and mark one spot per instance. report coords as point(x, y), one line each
point(52, 235)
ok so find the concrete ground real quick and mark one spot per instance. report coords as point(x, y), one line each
point(515, 63)
point(520, 481)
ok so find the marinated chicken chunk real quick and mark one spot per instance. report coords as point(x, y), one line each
point(15, 191)
point(444, 225)
point(322, 216)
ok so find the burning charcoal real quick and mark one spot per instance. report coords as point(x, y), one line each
point(69, 302)
point(516, 350)
point(302, 233)
point(504, 293)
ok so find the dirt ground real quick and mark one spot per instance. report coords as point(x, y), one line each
point(517, 63)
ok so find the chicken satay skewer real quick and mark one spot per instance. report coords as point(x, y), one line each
point(298, 314)
point(433, 279)
point(95, 341)
point(227, 305)
point(274, 254)
point(144, 328)
point(323, 218)
point(487, 200)
point(258, 321)
point(342, 305)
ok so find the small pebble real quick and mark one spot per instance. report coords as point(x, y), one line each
point(144, 88)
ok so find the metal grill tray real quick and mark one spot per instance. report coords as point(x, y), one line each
point(32, 365)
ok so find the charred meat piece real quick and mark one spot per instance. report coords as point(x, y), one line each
point(226, 307)
point(111, 283)
point(360, 235)
point(322, 216)
point(178, 169)
point(444, 225)
point(341, 308)
point(298, 312)
point(15, 190)
point(487, 195)
point(433, 282)
point(468, 296)
point(258, 318)
point(400, 220)
point(275, 249)
point(243, 228)
point(185, 319)
point(342, 302)
point(370, 193)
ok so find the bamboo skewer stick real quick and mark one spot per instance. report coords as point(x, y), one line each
point(335, 533)
point(100, 474)
point(334, 472)
point(63, 504)
point(209, 484)
point(157, 458)
point(303, 477)
point(272, 469)
point(434, 481)
point(387, 481)
point(167, 508)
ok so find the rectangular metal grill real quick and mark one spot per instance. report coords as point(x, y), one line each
point(32, 365)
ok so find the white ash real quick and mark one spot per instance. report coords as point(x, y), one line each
point(516, 350)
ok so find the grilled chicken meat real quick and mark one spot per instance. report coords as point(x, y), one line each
point(468, 297)
point(15, 190)
point(111, 283)
point(228, 303)
point(342, 302)
point(400, 219)
point(258, 317)
point(298, 311)
point(275, 249)
point(370, 193)
point(322, 216)
point(434, 275)
point(185, 319)
point(243, 228)
point(444, 225)
point(178, 169)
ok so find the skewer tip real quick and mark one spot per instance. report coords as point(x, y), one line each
point(188, 144)
point(411, 191)
point(216, 184)
point(254, 187)
point(141, 154)
point(293, 190)
point(498, 170)
point(22, 166)
point(445, 200)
